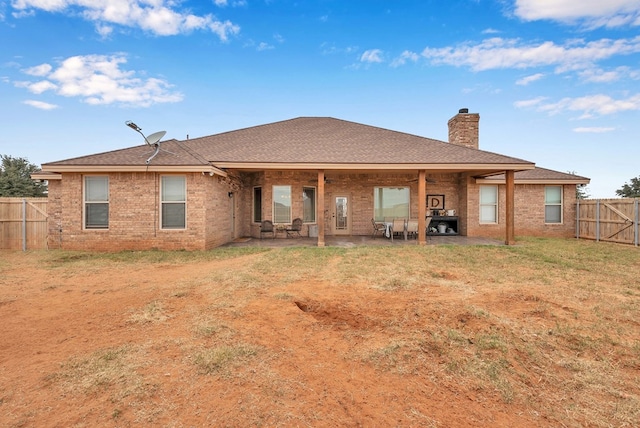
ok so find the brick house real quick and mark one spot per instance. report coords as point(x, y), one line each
point(335, 175)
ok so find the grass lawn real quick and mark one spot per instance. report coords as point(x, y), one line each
point(543, 333)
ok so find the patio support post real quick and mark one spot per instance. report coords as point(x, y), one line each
point(320, 208)
point(510, 208)
point(422, 207)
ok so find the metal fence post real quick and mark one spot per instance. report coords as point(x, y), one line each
point(597, 220)
point(635, 209)
point(578, 219)
point(24, 224)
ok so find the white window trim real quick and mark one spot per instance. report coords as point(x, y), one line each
point(315, 204)
point(496, 205)
point(173, 202)
point(253, 204)
point(561, 205)
point(375, 191)
point(273, 203)
point(85, 202)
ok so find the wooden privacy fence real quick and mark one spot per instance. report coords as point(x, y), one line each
point(23, 223)
point(613, 220)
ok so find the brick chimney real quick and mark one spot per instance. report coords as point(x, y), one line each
point(464, 129)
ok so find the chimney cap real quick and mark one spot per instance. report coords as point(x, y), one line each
point(463, 110)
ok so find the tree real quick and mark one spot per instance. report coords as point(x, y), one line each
point(15, 178)
point(630, 190)
point(582, 192)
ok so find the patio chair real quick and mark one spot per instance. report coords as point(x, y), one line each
point(400, 227)
point(296, 227)
point(267, 227)
point(377, 227)
point(412, 228)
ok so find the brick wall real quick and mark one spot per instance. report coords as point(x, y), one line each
point(134, 208)
point(529, 212)
point(134, 214)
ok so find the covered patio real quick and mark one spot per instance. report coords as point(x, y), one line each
point(353, 241)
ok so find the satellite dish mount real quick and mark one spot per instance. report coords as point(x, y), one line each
point(152, 140)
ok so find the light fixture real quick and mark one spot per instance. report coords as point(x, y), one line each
point(230, 194)
point(133, 126)
point(152, 141)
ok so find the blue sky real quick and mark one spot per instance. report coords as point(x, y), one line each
point(556, 82)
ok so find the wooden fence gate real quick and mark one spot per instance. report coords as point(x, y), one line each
point(23, 223)
point(613, 220)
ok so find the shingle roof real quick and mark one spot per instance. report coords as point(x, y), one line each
point(543, 174)
point(304, 140)
point(172, 152)
point(329, 140)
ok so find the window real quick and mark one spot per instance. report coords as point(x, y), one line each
point(309, 204)
point(553, 204)
point(257, 204)
point(390, 202)
point(488, 204)
point(282, 204)
point(173, 202)
point(96, 202)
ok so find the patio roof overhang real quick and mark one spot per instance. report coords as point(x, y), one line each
point(57, 169)
point(472, 169)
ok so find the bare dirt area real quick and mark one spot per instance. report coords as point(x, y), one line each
point(317, 337)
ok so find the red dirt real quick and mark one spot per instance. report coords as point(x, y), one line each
point(309, 368)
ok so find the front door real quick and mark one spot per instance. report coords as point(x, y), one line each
point(341, 216)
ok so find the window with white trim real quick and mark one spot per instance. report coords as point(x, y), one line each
point(96, 202)
point(489, 204)
point(257, 204)
point(553, 204)
point(390, 202)
point(173, 202)
point(282, 204)
point(309, 204)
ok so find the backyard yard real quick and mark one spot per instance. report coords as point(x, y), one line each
point(545, 333)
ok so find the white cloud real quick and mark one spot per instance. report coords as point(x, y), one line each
point(99, 79)
point(159, 17)
point(529, 103)
point(528, 79)
point(262, 46)
point(588, 106)
point(593, 13)
point(597, 75)
point(40, 105)
point(327, 49)
point(40, 70)
point(372, 55)
point(498, 53)
point(404, 57)
point(594, 130)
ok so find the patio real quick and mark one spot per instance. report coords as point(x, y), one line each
point(352, 241)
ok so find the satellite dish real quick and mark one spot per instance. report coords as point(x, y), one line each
point(154, 138)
